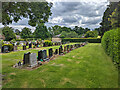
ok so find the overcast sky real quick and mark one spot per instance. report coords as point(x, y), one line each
point(84, 13)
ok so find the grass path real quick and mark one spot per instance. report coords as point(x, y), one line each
point(85, 67)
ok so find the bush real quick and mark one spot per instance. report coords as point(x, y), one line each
point(19, 39)
point(111, 43)
point(48, 43)
point(90, 40)
point(10, 46)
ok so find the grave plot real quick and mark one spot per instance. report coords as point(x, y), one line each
point(31, 61)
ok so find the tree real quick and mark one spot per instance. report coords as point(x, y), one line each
point(26, 33)
point(70, 34)
point(9, 34)
point(36, 12)
point(115, 17)
point(91, 34)
point(106, 24)
point(17, 32)
point(41, 32)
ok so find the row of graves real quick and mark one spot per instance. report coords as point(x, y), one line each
point(32, 61)
point(25, 45)
point(6, 48)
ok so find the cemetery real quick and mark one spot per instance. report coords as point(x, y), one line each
point(32, 61)
point(54, 44)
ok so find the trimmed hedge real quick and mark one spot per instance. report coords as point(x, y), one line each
point(10, 46)
point(111, 44)
point(48, 43)
point(90, 40)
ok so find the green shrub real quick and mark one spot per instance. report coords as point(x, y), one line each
point(111, 44)
point(90, 40)
point(48, 43)
point(10, 46)
point(20, 40)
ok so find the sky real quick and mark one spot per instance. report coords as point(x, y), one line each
point(82, 13)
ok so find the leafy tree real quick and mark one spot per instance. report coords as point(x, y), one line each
point(41, 32)
point(70, 34)
point(115, 17)
point(80, 30)
point(36, 12)
point(106, 24)
point(8, 32)
point(91, 34)
point(26, 33)
point(17, 32)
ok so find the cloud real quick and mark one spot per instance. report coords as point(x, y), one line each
point(82, 12)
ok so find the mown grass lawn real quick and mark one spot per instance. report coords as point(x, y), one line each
point(85, 67)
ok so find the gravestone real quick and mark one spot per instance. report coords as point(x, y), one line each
point(15, 48)
point(44, 45)
point(60, 50)
point(50, 52)
point(42, 54)
point(30, 45)
point(56, 52)
point(24, 47)
point(32, 59)
point(26, 58)
point(67, 48)
point(5, 49)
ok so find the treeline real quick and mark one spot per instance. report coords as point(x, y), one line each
point(43, 32)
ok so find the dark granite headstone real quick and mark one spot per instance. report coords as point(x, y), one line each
point(44, 54)
point(67, 48)
point(24, 47)
point(40, 54)
point(30, 45)
point(26, 58)
point(50, 52)
point(56, 52)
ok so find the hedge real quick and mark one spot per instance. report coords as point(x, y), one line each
point(90, 40)
point(10, 46)
point(111, 44)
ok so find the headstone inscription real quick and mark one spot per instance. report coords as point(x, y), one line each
point(50, 52)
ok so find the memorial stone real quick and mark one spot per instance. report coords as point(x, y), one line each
point(32, 59)
point(26, 58)
point(56, 52)
point(5, 49)
point(50, 52)
point(24, 47)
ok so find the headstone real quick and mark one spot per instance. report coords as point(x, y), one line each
point(56, 52)
point(60, 50)
point(67, 48)
point(32, 59)
point(50, 52)
point(26, 58)
point(30, 45)
point(24, 47)
point(42, 54)
point(15, 48)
